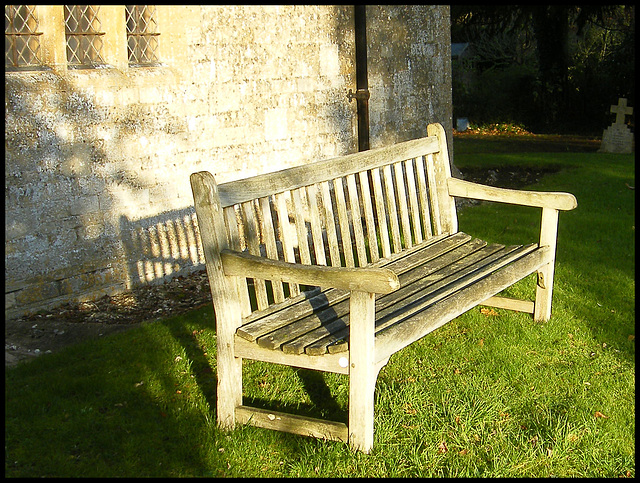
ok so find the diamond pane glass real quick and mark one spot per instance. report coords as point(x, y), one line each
point(142, 32)
point(83, 32)
point(21, 40)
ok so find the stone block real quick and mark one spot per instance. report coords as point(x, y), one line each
point(275, 124)
point(37, 292)
point(87, 281)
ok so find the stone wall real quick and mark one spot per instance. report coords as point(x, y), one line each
point(97, 161)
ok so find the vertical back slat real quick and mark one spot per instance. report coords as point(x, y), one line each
point(369, 219)
point(270, 244)
point(381, 212)
point(301, 226)
point(402, 205)
point(252, 236)
point(356, 220)
point(424, 198)
point(347, 246)
point(330, 223)
point(414, 207)
point(435, 208)
point(392, 208)
point(316, 225)
point(286, 235)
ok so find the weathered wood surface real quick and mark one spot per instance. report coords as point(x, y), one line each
point(376, 280)
point(320, 324)
point(336, 265)
point(291, 423)
point(466, 189)
point(240, 191)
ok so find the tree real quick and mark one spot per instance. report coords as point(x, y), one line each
point(558, 35)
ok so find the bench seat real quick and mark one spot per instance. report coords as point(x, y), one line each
point(317, 321)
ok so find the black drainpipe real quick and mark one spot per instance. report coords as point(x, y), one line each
point(362, 83)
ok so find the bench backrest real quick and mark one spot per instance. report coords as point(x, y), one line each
point(346, 211)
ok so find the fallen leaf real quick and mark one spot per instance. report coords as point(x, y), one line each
point(408, 409)
point(631, 337)
point(598, 414)
point(488, 312)
point(443, 448)
point(463, 452)
point(481, 342)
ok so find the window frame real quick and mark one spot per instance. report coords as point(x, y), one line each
point(13, 53)
point(91, 34)
point(141, 31)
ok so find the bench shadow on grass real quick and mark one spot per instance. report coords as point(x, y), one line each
point(94, 413)
point(323, 404)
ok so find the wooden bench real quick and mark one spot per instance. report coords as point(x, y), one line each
point(338, 264)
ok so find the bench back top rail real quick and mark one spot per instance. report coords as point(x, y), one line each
point(348, 211)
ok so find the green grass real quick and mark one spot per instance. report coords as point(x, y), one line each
point(486, 395)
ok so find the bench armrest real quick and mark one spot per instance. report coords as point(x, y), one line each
point(364, 279)
point(543, 199)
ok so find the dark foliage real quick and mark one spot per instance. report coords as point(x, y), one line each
point(552, 68)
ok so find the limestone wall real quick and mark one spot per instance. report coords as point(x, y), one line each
point(97, 161)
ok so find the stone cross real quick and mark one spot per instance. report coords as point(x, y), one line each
point(621, 110)
point(618, 138)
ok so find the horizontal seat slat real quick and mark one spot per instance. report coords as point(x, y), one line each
point(400, 335)
point(277, 316)
point(388, 307)
point(454, 281)
point(280, 318)
point(317, 319)
point(320, 324)
point(338, 342)
point(275, 319)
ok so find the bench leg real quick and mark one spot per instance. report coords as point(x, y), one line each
point(544, 288)
point(362, 371)
point(544, 294)
point(229, 392)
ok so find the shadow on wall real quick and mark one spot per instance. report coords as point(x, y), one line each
point(89, 165)
point(161, 247)
point(70, 165)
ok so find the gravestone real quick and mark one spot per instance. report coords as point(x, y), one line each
point(618, 138)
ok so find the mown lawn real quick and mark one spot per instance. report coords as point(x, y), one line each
point(491, 394)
